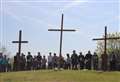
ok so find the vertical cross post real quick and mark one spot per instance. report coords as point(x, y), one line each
point(20, 36)
point(61, 33)
point(105, 48)
point(19, 42)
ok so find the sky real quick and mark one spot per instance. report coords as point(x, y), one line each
point(35, 17)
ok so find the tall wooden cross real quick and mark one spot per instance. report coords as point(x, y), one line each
point(105, 40)
point(19, 42)
point(61, 33)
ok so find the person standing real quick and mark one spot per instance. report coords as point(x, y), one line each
point(44, 61)
point(113, 61)
point(60, 62)
point(104, 64)
point(4, 64)
point(74, 58)
point(23, 65)
point(68, 62)
point(1, 59)
point(9, 67)
point(81, 60)
point(17, 62)
point(50, 61)
point(29, 61)
point(95, 61)
point(35, 61)
point(55, 61)
point(39, 59)
point(88, 59)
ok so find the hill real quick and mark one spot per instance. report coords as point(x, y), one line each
point(60, 76)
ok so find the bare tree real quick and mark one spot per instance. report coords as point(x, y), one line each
point(4, 50)
point(112, 45)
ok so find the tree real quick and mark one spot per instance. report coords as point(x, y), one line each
point(4, 50)
point(112, 45)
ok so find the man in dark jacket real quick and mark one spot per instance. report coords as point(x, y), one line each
point(81, 60)
point(88, 59)
point(74, 58)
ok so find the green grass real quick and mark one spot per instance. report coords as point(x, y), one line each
point(60, 76)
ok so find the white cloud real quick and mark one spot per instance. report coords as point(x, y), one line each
point(73, 4)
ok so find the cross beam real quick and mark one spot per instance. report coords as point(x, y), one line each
point(61, 33)
point(19, 42)
point(62, 30)
point(105, 40)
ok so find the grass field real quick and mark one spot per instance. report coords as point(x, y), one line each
point(60, 76)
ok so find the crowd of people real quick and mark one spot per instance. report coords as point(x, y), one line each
point(72, 61)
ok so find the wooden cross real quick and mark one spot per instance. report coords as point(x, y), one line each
point(61, 33)
point(105, 40)
point(19, 42)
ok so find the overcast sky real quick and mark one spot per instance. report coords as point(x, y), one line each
point(34, 17)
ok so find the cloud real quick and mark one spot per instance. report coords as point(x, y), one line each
point(21, 19)
point(26, 1)
point(69, 5)
point(9, 11)
point(73, 4)
point(13, 15)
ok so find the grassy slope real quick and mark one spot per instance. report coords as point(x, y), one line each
point(60, 76)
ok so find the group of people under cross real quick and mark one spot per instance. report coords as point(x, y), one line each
point(74, 61)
